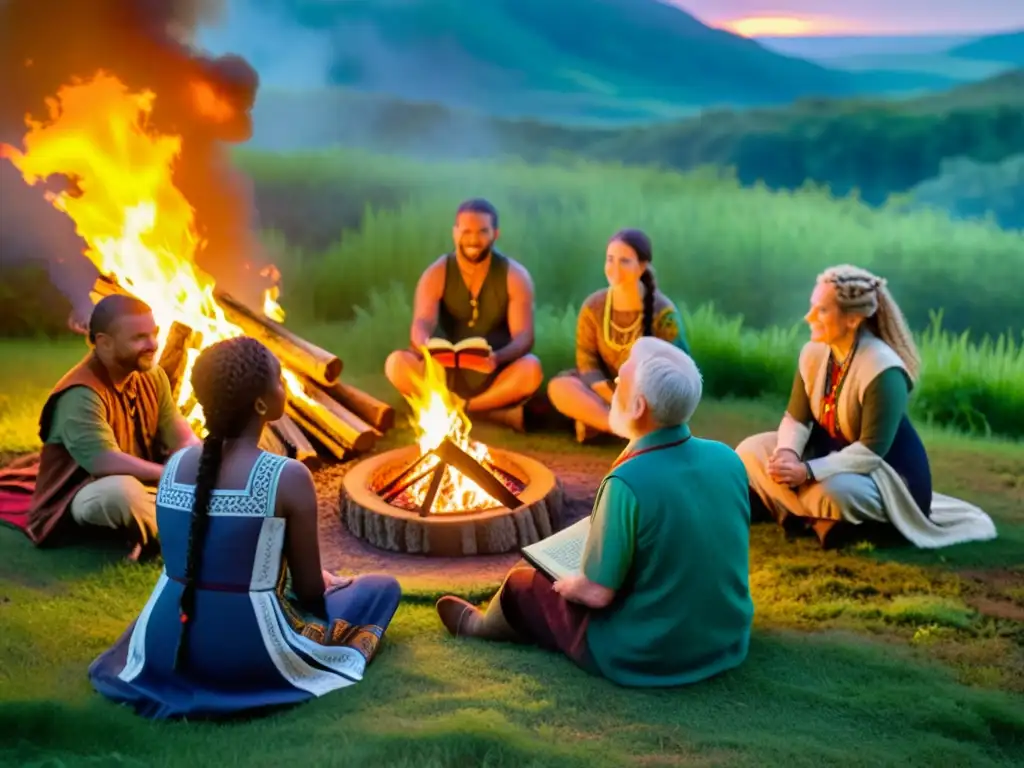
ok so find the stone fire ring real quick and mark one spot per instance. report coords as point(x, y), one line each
point(487, 532)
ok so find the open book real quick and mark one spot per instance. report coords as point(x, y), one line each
point(473, 354)
point(560, 554)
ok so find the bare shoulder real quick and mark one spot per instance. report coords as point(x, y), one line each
point(187, 465)
point(295, 479)
point(519, 278)
point(433, 276)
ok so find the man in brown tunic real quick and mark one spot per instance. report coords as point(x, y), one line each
point(106, 429)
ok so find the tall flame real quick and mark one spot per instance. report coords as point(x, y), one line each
point(138, 227)
point(439, 414)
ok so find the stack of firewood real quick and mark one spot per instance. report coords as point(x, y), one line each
point(329, 418)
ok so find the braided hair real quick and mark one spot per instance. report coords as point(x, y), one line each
point(641, 245)
point(860, 292)
point(228, 377)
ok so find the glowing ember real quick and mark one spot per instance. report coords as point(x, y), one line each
point(138, 227)
point(271, 308)
point(438, 414)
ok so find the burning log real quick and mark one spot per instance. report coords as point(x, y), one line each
point(371, 410)
point(104, 287)
point(405, 479)
point(299, 447)
point(314, 431)
point(294, 352)
point(311, 413)
point(449, 453)
point(435, 486)
point(271, 442)
point(338, 422)
point(174, 358)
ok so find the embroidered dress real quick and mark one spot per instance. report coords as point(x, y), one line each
point(605, 335)
point(249, 646)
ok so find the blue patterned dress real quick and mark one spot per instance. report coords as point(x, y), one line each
point(249, 645)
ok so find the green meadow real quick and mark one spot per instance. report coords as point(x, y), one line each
point(868, 656)
point(864, 657)
point(739, 262)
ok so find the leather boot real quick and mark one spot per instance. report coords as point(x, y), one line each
point(463, 619)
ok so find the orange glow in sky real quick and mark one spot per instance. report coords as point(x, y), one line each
point(786, 26)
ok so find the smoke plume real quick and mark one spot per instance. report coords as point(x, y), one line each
point(148, 45)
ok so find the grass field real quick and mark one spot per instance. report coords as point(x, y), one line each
point(348, 222)
point(736, 260)
point(352, 233)
point(861, 658)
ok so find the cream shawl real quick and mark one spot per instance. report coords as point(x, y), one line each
point(952, 521)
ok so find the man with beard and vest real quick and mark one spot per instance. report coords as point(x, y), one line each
point(475, 292)
point(106, 429)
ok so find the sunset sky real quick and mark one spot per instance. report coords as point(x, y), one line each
point(871, 17)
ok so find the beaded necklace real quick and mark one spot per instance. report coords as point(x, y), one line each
point(833, 388)
point(630, 331)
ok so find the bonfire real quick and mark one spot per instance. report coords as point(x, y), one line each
point(441, 484)
point(139, 231)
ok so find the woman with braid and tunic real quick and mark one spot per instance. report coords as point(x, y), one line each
point(610, 320)
point(846, 453)
point(242, 617)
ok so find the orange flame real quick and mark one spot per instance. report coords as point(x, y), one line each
point(271, 308)
point(209, 103)
point(139, 229)
point(437, 414)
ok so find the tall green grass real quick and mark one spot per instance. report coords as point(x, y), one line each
point(977, 389)
point(751, 254)
point(751, 251)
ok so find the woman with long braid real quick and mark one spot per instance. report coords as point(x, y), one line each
point(225, 629)
point(846, 453)
point(610, 320)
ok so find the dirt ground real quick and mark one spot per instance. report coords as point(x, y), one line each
point(342, 552)
point(998, 592)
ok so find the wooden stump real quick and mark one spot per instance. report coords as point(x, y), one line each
point(487, 532)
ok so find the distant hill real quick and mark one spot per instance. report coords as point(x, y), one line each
point(879, 147)
point(610, 60)
point(826, 47)
point(1007, 47)
point(1002, 90)
point(923, 54)
point(973, 190)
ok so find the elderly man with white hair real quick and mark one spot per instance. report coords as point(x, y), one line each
point(663, 596)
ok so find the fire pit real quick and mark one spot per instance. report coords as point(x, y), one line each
point(449, 495)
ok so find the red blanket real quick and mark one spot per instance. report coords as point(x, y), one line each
point(17, 481)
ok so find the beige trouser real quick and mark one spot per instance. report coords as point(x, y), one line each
point(114, 502)
point(845, 496)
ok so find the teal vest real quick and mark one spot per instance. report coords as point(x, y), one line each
point(685, 611)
